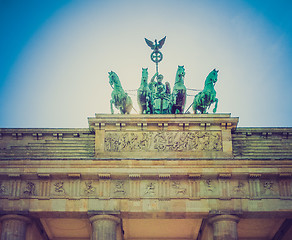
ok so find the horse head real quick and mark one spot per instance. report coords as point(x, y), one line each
point(180, 74)
point(213, 76)
point(144, 78)
point(113, 79)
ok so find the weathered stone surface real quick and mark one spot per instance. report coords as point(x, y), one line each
point(14, 227)
point(158, 167)
point(104, 227)
point(46, 143)
point(224, 227)
point(163, 141)
point(264, 143)
point(173, 136)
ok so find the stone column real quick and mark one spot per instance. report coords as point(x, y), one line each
point(224, 227)
point(14, 227)
point(104, 227)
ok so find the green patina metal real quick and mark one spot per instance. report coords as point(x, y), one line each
point(161, 95)
point(120, 99)
point(156, 56)
point(156, 97)
point(144, 95)
point(179, 92)
point(205, 98)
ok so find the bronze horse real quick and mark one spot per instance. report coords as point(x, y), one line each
point(144, 94)
point(205, 98)
point(179, 92)
point(120, 99)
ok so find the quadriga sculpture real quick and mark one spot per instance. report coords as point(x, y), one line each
point(144, 94)
point(179, 92)
point(205, 98)
point(120, 98)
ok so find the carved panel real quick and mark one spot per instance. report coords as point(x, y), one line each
point(119, 189)
point(59, 188)
point(210, 187)
point(4, 188)
point(167, 141)
point(239, 188)
point(29, 189)
point(269, 188)
point(178, 189)
point(89, 188)
point(149, 189)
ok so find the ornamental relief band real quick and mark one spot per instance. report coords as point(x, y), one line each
point(150, 188)
point(163, 141)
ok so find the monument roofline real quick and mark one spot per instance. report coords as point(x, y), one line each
point(163, 135)
point(201, 120)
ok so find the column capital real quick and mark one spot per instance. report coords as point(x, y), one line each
point(15, 217)
point(14, 227)
point(224, 226)
point(224, 217)
point(105, 217)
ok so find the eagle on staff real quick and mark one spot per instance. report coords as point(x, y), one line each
point(155, 46)
point(156, 56)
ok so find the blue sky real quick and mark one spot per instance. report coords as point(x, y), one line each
point(55, 56)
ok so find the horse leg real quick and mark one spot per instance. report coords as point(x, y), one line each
point(195, 107)
point(216, 103)
point(112, 109)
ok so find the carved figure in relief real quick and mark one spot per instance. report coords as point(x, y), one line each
point(150, 189)
point(210, 187)
point(59, 187)
point(89, 188)
point(179, 190)
point(30, 189)
point(239, 188)
point(2, 188)
point(268, 187)
point(120, 188)
point(205, 98)
point(163, 141)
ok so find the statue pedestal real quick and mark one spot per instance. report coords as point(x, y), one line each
point(163, 136)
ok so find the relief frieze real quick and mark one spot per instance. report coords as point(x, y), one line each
point(168, 141)
point(147, 188)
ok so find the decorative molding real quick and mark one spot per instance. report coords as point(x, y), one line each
point(104, 176)
point(138, 187)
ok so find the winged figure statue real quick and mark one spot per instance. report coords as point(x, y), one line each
point(155, 46)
